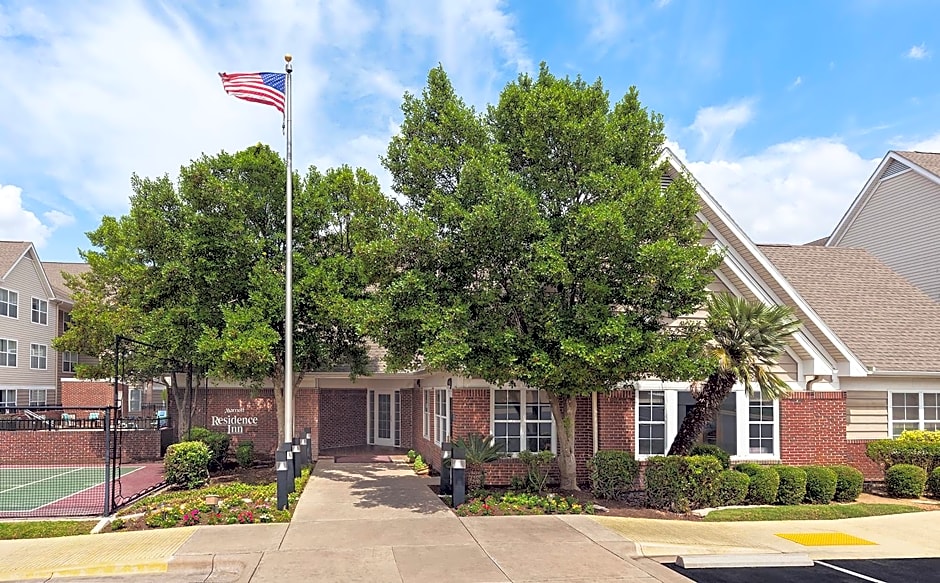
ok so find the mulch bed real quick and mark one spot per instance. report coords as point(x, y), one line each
point(261, 472)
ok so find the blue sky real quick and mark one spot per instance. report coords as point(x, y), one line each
point(781, 110)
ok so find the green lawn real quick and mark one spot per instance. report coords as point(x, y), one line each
point(45, 528)
point(807, 512)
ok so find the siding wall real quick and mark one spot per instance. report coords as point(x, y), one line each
point(900, 225)
point(27, 282)
point(867, 402)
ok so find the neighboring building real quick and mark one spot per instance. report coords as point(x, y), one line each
point(839, 399)
point(896, 217)
point(34, 308)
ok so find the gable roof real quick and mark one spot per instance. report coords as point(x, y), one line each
point(54, 271)
point(927, 164)
point(887, 322)
point(10, 254)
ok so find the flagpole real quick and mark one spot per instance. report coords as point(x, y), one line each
point(288, 284)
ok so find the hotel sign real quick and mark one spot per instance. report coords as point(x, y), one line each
point(233, 421)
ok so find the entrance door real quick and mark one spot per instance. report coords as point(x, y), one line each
point(384, 412)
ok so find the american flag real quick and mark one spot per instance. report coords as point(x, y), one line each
point(266, 88)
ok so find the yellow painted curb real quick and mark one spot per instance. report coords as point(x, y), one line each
point(825, 539)
point(99, 570)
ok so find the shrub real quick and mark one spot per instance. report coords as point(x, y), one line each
point(681, 484)
point(480, 451)
point(412, 454)
point(714, 451)
point(933, 483)
point(820, 485)
point(245, 453)
point(792, 488)
point(764, 483)
point(731, 488)
point(613, 474)
point(889, 452)
point(186, 464)
point(537, 466)
point(420, 464)
point(848, 483)
point(905, 481)
point(918, 436)
point(216, 441)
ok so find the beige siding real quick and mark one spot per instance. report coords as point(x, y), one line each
point(900, 224)
point(787, 369)
point(867, 414)
point(28, 283)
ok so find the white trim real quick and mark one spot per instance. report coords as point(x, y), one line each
point(44, 356)
point(17, 304)
point(16, 353)
point(436, 417)
point(41, 301)
point(37, 266)
point(373, 395)
point(920, 421)
point(425, 413)
point(523, 390)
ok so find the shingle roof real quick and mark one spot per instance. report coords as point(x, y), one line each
point(883, 318)
point(54, 271)
point(929, 161)
point(10, 252)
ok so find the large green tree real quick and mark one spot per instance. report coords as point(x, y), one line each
point(537, 245)
point(196, 268)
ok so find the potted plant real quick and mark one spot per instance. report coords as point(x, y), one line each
point(412, 455)
point(421, 468)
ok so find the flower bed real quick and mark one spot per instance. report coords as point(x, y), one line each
point(237, 503)
point(521, 503)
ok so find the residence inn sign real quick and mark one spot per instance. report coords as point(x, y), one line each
point(233, 422)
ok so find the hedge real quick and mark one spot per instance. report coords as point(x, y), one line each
point(919, 436)
point(890, 452)
point(714, 451)
point(905, 481)
point(216, 441)
point(613, 474)
point(731, 488)
point(680, 483)
point(820, 485)
point(186, 464)
point(763, 485)
point(849, 483)
point(933, 483)
point(792, 488)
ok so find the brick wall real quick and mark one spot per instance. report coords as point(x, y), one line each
point(91, 394)
point(75, 447)
point(247, 403)
point(813, 427)
point(342, 418)
point(857, 458)
point(407, 419)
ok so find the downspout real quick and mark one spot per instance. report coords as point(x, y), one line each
point(594, 418)
point(809, 383)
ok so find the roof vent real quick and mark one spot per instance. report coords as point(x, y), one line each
point(665, 180)
point(894, 167)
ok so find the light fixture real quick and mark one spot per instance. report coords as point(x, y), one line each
point(281, 466)
point(459, 464)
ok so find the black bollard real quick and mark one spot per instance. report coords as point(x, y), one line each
point(446, 488)
point(291, 462)
point(284, 481)
point(309, 437)
point(459, 469)
point(298, 459)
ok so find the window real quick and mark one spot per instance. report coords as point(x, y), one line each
point(426, 416)
point(914, 411)
point(651, 416)
point(69, 360)
point(40, 312)
point(133, 400)
point(441, 416)
point(37, 356)
point(66, 319)
point(7, 400)
point(746, 428)
point(397, 418)
point(522, 420)
point(8, 301)
point(7, 352)
point(37, 397)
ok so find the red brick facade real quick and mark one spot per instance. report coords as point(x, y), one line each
point(812, 428)
point(342, 418)
point(87, 393)
point(75, 446)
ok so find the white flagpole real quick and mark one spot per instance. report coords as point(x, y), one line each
point(288, 284)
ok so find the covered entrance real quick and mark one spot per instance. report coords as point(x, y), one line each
point(384, 417)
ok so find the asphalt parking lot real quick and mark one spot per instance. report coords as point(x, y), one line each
point(835, 571)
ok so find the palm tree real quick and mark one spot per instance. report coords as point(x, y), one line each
point(747, 339)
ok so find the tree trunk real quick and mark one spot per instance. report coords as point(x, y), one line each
point(716, 389)
point(278, 382)
point(184, 404)
point(564, 429)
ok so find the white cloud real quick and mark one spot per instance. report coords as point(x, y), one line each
point(716, 125)
point(796, 82)
point(607, 20)
point(662, 3)
point(792, 192)
point(918, 52)
point(19, 224)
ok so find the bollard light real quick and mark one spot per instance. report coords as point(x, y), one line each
point(291, 463)
point(298, 459)
point(458, 464)
point(446, 483)
point(283, 477)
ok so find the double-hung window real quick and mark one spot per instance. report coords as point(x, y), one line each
point(133, 400)
point(40, 312)
point(37, 397)
point(69, 360)
point(426, 413)
point(7, 352)
point(651, 422)
point(37, 356)
point(522, 420)
point(441, 416)
point(760, 423)
point(913, 411)
point(7, 400)
point(8, 301)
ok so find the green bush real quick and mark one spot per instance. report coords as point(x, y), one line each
point(764, 483)
point(714, 451)
point(820, 485)
point(849, 483)
point(186, 464)
point(890, 452)
point(731, 488)
point(905, 481)
point(681, 484)
point(792, 488)
point(918, 436)
point(245, 453)
point(933, 483)
point(613, 474)
point(216, 441)
point(537, 466)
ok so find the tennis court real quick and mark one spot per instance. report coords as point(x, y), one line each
point(64, 490)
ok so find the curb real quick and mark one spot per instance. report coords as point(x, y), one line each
point(744, 561)
point(89, 571)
